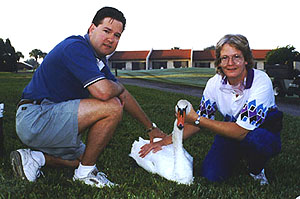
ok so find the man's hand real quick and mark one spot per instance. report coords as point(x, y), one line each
point(156, 133)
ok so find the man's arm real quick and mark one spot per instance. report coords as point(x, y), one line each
point(134, 109)
point(106, 89)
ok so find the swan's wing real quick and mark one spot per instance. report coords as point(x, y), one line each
point(161, 162)
point(146, 162)
point(188, 156)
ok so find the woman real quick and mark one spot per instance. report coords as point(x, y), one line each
point(252, 122)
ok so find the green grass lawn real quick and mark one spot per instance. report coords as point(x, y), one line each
point(283, 171)
point(186, 76)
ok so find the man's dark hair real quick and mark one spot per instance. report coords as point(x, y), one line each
point(109, 12)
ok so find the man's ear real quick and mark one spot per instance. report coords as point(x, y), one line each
point(91, 28)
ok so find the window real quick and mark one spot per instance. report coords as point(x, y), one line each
point(159, 65)
point(202, 64)
point(138, 65)
point(119, 65)
point(180, 64)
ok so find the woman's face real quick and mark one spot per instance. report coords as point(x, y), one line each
point(233, 64)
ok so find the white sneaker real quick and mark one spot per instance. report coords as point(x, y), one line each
point(95, 178)
point(261, 177)
point(24, 165)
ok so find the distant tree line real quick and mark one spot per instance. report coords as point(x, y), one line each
point(283, 56)
point(9, 57)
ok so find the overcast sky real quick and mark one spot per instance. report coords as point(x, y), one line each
point(157, 24)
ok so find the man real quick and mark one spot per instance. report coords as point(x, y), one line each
point(73, 91)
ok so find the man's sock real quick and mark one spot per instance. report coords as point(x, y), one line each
point(83, 171)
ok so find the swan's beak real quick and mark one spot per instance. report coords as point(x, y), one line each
point(180, 118)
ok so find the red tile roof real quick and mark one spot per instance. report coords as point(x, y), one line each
point(259, 54)
point(129, 55)
point(207, 55)
point(204, 55)
point(171, 54)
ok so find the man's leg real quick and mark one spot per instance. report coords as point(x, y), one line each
point(58, 162)
point(102, 119)
point(89, 114)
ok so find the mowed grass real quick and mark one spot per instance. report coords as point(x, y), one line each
point(186, 76)
point(283, 171)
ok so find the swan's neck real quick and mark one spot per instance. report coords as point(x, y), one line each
point(177, 136)
point(180, 160)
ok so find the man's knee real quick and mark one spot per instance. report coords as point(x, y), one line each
point(116, 108)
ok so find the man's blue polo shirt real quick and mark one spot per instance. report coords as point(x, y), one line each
point(67, 71)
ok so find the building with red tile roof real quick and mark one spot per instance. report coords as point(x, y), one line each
point(130, 60)
point(173, 58)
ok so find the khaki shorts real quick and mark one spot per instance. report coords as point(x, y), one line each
point(51, 128)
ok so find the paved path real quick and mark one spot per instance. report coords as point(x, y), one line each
point(290, 109)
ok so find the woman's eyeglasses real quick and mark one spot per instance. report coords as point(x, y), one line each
point(236, 59)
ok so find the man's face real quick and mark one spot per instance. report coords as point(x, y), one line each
point(105, 37)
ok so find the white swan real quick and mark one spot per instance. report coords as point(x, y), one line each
point(173, 162)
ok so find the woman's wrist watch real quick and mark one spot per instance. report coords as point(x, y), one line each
point(197, 121)
point(151, 128)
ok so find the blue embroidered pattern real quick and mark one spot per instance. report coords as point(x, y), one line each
point(206, 108)
point(255, 114)
point(250, 112)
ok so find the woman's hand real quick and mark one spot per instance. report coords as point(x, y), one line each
point(191, 117)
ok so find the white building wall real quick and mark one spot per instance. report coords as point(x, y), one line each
point(260, 65)
point(170, 64)
point(190, 64)
point(148, 63)
point(128, 65)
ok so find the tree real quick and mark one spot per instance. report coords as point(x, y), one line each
point(43, 55)
point(282, 55)
point(8, 57)
point(19, 55)
point(36, 53)
point(2, 53)
point(11, 56)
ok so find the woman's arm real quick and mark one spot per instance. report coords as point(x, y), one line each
point(228, 129)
